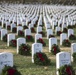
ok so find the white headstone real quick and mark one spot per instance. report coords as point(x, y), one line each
point(7, 23)
point(23, 23)
point(7, 26)
point(73, 49)
point(27, 32)
point(12, 26)
point(62, 58)
point(57, 29)
point(19, 42)
point(36, 47)
point(19, 22)
point(3, 22)
point(3, 32)
point(54, 24)
point(39, 29)
point(63, 26)
point(9, 38)
point(0, 28)
point(70, 31)
point(19, 28)
point(37, 36)
point(63, 36)
point(48, 26)
point(51, 42)
point(49, 32)
point(6, 59)
point(30, 26)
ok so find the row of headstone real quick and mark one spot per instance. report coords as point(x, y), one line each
point(62, 58)
point(52, 40)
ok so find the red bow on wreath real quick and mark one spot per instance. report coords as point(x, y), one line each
point(29, 37)
point(41, 40)
point(54, 50)
point(68, 70)
point(11, 72)
point(40, 56)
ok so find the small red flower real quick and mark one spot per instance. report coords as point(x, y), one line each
point(15, 22)
point(11, 72)
point(20, 32)
point(28, 36)
point(68, 70)
point(65, 30)
point(51, 36)
point(19, 25)
point(32, 29)
point(40, 56)
point(72, 35)
point(54, 49)
point(8, 26)
point(41, 40)
point(60, 32)
point(14, 42)
point(67, 40)
point(15, 28)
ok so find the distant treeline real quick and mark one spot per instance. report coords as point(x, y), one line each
point(64, 2)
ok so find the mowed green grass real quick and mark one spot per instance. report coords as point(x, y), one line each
point(25, 65)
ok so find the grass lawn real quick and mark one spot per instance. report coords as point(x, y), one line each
point(26, 67)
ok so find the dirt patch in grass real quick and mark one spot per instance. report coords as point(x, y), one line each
point(7, 50)
point(66, 49)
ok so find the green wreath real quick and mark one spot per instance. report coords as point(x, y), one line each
point(14, 29)
point(29, 38)
point(41, 59)
point(24, 49)
point(58, 33)
point(65, 30)
point(72, 37)
point(66, 70)
point(7, 70)
point(69, 27)
point(55, 49)
point(20, 33)
point(33, 30)
point(40, 40)
point(66, 43)
point(8, 27)
point(13, 43)
point(5, 38)
point(74, 57)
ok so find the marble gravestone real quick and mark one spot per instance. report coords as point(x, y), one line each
point(9, 38)
point(36, 47)
point(63, 36)
point(19, 28)
point(27, 32)
point(3, 32)
point(19, 42)
point(70, 31)
point(62, 58)
point(37, 36)
point(49, 32)
point(51, 42)
point(73, 49)
point(6, 59)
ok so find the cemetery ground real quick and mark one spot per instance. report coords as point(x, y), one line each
point(24, 63)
